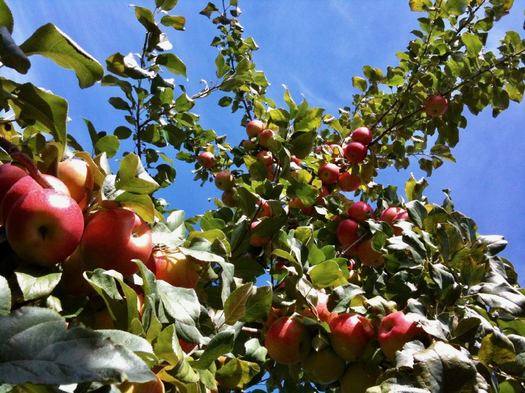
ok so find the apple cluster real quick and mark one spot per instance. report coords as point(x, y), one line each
point(346, 339)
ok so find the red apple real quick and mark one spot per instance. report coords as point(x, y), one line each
point(57, 185)
point(254, 128)
point(72, 281)
point(44, 227)
point(206, 159)
point(224, 180)
point(328, 173)
point(265, 157)
point(19, 189)
point(256, 240)
point(362, 135)
point(113, 237)
point(355, 152)
point(357, 379)
point(287, 341)
point(321, 309)
point(78, 178)
point(435, 105)
point(9, 175)
point(228, 197)
point(324, 367)
point(394, 331)
point(265, 210)
point(186, 346)
point(323, 193)
point(348, 182)
point(350, 334)
point(155, 386)
point(367, 255)
point(176, 268)
point(347, 232)
point(265, 137)
point(393, 214)
point(359, 211)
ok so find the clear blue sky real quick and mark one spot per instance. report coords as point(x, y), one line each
point(314, 47)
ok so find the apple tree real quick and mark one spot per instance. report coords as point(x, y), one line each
point(105, 287)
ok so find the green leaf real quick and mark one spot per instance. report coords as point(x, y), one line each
point(237, 373)
point(108, 144)
point(167, 346)
point(456, 7)
point(127, 66)
point(414, 188)
point(10, 54)
point(37, 347)
point(473, 43)
point(132, 342)
point(310, 120)
point(172, 63)
point(45, 110)
point(166, 5)
point(417, 212)
point(5, 297)
point(146, 19)
point(181, 303)
point(119, 103)
point(36, 284)
point(6, 17)
point(302, 144)
point(133, 177)
point(419, 5)
point(49, 41)
point(359, 83)
point(220, 344)
point(141, 204)
point(177, 22)
point(235, 305)
point(327, 274)
point(496, 349)
point(209, 9)
point(258, 304)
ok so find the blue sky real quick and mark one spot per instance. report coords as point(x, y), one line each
point(313, 47)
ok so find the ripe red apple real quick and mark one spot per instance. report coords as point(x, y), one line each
point(176, 268)
point(256, 240)
point(347, 232)
point(350, 334)
point(113, 237)
point(323, 193)
point(287, 341)
point(78, 178)
point(348, 182)
point(435, 105)
point(321, 309)
point(228, 197)
point(265, 210)
point(19, 189)
point(206, 159)
point(367, 255)
point(362, 135)
point(355, 152)
point(357, 379)
point(328, 173)
point(265, 157)
point(9, 175)
point(324, 366)
point(393, 214)
point(57, 184)
point(359, 211)
point(44, 227)
point(265, 137)
point(254, 128)
point(394, 331)
point(224, 180)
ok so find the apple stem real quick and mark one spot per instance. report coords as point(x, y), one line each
point(26, 161)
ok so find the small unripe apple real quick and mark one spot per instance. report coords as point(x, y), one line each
point(394, 331)
point(224, 180)
point(357, 379)
point(435, 105)
point(113, 237)
point(348, 182)
point(77, 176)
point(328, 173)
point(287, 341)
point(176, 268)
point(44, 227)
point(350, 334)
point(355, 152)
point(359, 211)
point(347, 232)
point(228, 197)
point(265, 137)
point(362, 135)
point(206, 159)
point(254, 128)
point(248, 145)
point(265, 157)
point(324, 366)
point(256, 240)
point(367, 255)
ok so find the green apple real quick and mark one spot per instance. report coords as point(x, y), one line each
point(324, 367)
